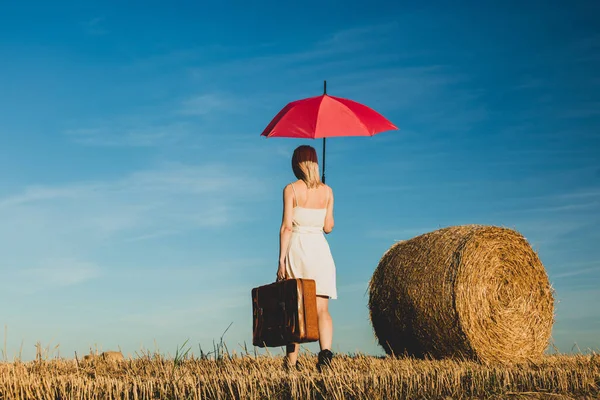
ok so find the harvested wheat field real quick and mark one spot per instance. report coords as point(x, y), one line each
point(251, 377)
point(473, 291)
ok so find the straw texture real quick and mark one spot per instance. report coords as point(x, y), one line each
point(476, 292)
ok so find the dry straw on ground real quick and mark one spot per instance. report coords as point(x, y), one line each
point(477, 292)
point(262, 377)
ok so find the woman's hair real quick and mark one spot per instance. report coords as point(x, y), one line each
point(306, 166)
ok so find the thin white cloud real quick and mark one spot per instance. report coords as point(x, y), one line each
point(64, 272)
point(170, 125)
point(582, 199)
point(153, 235)
point(547, 231)
point(46, 193)
point(48, 274)
point(333, 56)
point(176, 178)
point(587, 110)
point(341, 56)
point(144, 134)
point(394, 235)
point(528, 83)
point(577, 272)
point(57, 220)
point(169, 179)
point(235, 270)
point(95, 27)
point(583, 193)
point(169, 317)
point(356, 38)
point(208, 103)
point(282, 61)
point(564, 207)
point(200, 306)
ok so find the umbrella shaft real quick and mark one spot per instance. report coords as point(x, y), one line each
point(323, 178)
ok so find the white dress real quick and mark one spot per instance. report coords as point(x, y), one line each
point(308, 255)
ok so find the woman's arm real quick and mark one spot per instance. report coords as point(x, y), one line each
point(285, 232)
point(328, 225)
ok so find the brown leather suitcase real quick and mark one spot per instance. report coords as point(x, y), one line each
point(285, 312)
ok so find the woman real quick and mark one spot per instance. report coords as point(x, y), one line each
point(303, 249)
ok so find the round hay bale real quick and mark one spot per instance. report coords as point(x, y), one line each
point(477, 292)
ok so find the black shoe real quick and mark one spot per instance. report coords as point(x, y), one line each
point(325, 357)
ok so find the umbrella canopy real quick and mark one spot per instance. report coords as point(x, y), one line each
point(326, 116)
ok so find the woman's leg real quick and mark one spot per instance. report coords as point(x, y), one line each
point(292, 353)
point(325, 323)
point(325, 331)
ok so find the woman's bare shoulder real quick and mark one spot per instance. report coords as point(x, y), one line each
point(291, 187)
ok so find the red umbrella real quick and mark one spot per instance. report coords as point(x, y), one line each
point(326, 116)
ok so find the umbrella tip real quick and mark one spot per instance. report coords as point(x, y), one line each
point(324, 87)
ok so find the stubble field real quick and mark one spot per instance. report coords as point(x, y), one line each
point(262, 377)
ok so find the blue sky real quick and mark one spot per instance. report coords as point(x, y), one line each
point(139, 205)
